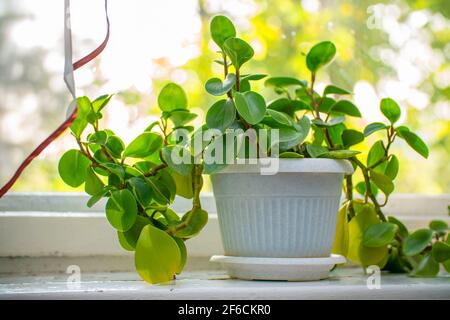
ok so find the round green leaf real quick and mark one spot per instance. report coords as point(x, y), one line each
point(340, 243)
point(195, 220)
point(384, 183)
point(251, 106)
point(351, 137)
point(128, 239)
point(417, 241)
point(217, 87)
point(276, 119)
point(83, 108)
point(157, 256)
point(181, 117)
point(238, 51)
point(346, 107)
point(144, 145)
point(143, 192)
point(183, 185)
point(93, 183)
point(121, 210)
point(320, 55)
point(427, 267)
point(379, 234)
point(115, 146)
point(441, 251)
point(390, 109)
point(373, 127)
point(221, 29)
point(172, 97)
point(221, 115)
point(439, 226)
point(72, 167)
point(316, 151)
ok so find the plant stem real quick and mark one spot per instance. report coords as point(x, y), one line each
point(238, 81)
point(369, 193)
point(349, 194)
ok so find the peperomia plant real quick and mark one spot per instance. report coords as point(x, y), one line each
point(142, 179)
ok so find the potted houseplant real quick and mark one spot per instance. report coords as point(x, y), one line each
point(276, 225)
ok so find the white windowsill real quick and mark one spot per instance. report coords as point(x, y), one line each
point(42, 234)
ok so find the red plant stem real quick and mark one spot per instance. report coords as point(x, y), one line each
point(55, 134)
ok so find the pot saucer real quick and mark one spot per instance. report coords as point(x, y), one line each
point(287, 269)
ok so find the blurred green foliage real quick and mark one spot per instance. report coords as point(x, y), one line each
point(376, 42)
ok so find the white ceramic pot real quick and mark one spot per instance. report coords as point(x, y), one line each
point(291, 214)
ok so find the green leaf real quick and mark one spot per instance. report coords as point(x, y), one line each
point(341, 154)
point(390, 109)
point(181, 117)
point(253, 76)
point(115, 146)
point(128, 239)
point(392, 167)
point(441, 227)
point(351, 137)
point(441, 251)
point(183, 253)
point(157, 256)
point(172, 97)
point(427, 267)
point(121, 210)
point(238, 51)
point(144, 145)
point(183, 185)
point(221, 29)
point(93, 183)
point(178, 159)
point(320, 55)
point(142, 191)
point(291, 155)
point(101, 102)
point(326, 104)
point(288, 106)
point(276, 119)
point(289, 138)
point(357, 252)
point(380, 234)
point(414, 142)
point(373, 127)
point(115, 168)
point(284, 82)
point(251, 106)
point(72, 167)
point(330, 123)
point(217, 87)
point(98, 137)
point(346, 107)
point(315, 151)
point(221, 115)
point(417, 242)
point(194, 220)
point(402, 230)
point(383, 182)
point(376, 153)
point(330, 89)
point(161, 193)
point(341, 240)
point(83, 108)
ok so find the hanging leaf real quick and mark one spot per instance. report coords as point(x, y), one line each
point(380, 234)
point(376, 153)
point(194, 221)
point(384, 183)
point(157, 256)
point(93, 183)
point(414, 142)
point(346, 107)
point(417, 242)
point(128, 239)
point(373, 127)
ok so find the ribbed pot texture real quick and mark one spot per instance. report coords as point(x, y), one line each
point(291, 214)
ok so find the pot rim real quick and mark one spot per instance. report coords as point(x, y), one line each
point(311, 165)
